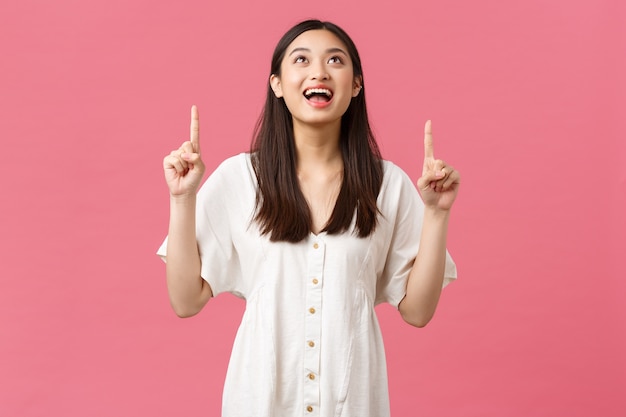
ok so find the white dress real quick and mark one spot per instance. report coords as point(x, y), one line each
point(309, 343)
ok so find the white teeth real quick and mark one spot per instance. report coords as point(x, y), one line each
point(312, 91)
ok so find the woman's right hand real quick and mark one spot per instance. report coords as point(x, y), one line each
point(183, 167)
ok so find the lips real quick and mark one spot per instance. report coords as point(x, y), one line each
point(318, 94)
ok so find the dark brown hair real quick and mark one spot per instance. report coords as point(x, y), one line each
point(281, 209)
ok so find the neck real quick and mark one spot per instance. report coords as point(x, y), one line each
point(317, 145)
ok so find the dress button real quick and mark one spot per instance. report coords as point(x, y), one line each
point(315, 246)
point(309, 409)
point(315, 281)
point(312, 310)
point(311, 343)
point(311, 376)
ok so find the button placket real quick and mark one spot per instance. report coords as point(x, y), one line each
point(313, 326)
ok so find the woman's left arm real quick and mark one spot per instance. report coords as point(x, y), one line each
point(438, 187)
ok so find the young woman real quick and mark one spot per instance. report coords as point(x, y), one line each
point(313, 229)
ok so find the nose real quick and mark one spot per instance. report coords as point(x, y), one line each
point(318, 72)
point(322, 75)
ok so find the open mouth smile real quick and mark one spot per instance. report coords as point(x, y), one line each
point(318, 95)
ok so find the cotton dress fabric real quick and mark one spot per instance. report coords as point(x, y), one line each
point(309, 343)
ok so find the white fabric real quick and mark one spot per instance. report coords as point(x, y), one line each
point(305, 347)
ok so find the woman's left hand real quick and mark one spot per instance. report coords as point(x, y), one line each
point(439, 183)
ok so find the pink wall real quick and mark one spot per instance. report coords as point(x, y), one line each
point(527, 99)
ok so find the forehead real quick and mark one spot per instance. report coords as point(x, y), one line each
point(317, 41)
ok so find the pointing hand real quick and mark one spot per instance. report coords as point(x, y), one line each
point(439, 183)
point(183, 167)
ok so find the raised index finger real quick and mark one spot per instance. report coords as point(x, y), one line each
point(195, 129)
point(428, 140)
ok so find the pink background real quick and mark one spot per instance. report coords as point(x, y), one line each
point(528, 101)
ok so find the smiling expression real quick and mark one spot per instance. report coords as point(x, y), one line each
point(316, 78)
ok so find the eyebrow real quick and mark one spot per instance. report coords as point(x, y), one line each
point(328, 51)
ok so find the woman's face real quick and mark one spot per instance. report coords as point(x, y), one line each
point(317, 80)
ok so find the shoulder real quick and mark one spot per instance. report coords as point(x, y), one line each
point(391, 169)
point(397, 190)
point(394, 177)
point(233, 164)
point(231, 175)
point(234, 168)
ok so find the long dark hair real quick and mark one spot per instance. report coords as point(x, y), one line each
point(281, 209)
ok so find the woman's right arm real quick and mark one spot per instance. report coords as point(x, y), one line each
point(183, 173)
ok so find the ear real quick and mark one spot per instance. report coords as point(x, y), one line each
point(276, 87)
point(357, 86)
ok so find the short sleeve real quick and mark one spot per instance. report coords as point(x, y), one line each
point(216, 211)
point(401, 203)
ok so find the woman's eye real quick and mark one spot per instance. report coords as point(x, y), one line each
point(335, 60)
point(300, 60)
